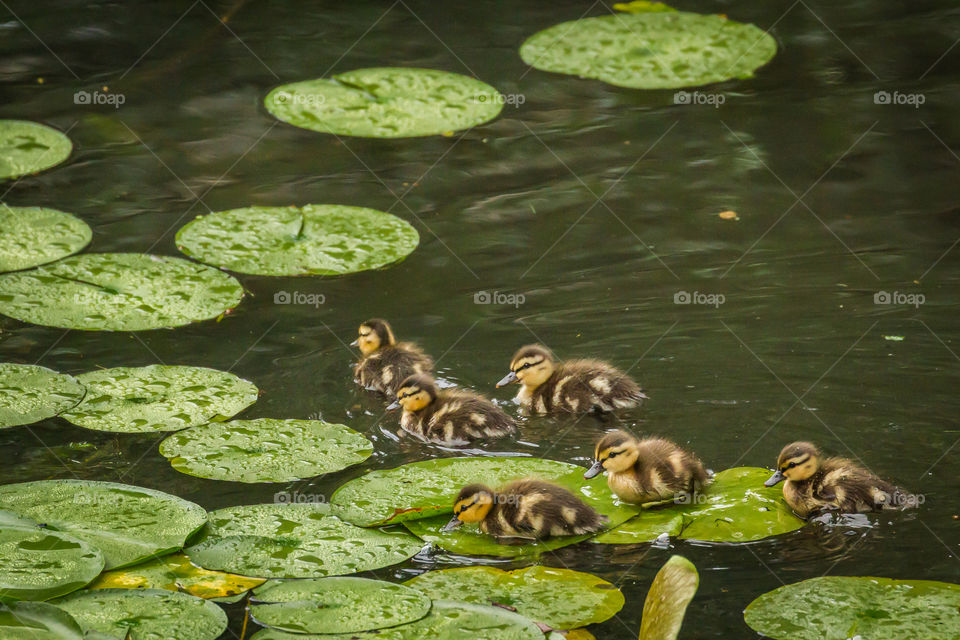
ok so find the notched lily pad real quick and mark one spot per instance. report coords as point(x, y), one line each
point(36, 235)
point(37, 621)
point(666, 604)
point(176, 573)
point(29, 393)
point(29, 147)
point(40, 564)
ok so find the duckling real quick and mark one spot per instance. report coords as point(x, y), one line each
point(386, 362)
point(528, 508)
point(576, 386)
point(832, 484)
point(649, 470)
point(448, 416)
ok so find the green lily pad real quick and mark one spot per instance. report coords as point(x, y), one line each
point(735, 507)
point(265, 450)
point(35, 235)
point(317, 239)
point(386, 102)
point(39, 564)
point(176, 573)
point(337, 605)
point(838, 608)
point(651, 50)
point(29, 393)
point(149, 614)
point(37, 621)
point(159, 398)
point(447, 620)
point(118, 292)
point(666, 604)
point(295, 541)
point(559, 598)
point(128, 524)
point(29, 147)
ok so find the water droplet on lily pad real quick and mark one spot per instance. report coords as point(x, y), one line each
point(35, 235)
point(29, 393)
point(40, 564)
point(37, 621)
point(29, 147)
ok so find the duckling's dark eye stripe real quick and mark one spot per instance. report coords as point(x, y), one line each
point(796, 463)
point(465, 507)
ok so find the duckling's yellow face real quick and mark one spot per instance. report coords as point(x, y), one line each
point(533, 370)
point(368, 340)
point(799, 468)
point(473, 507)
point(413, 397)
point(619, 458)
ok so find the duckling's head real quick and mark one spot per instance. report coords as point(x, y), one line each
point(616, 452)
point(415, 393)
point(473, 503)
point(531, 366)
point(374, 334)
point(797, 462)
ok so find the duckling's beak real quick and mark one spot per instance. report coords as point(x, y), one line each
point(775, 479)
point(453, 524)
point(355, 343)
point(593, 471)
point(507, 379)
point(393, 406)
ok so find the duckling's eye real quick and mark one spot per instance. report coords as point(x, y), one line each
point(791, 465)
point(613, 454)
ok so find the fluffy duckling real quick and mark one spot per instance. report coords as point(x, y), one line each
point(649, 470)
point(528, 508)
point(448, 416)
point(814, 484)
point(386, 362)
point(576, 386)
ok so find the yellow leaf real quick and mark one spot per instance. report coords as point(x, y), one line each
point(176, 573)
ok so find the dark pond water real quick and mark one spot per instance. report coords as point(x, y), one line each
point(597, 204)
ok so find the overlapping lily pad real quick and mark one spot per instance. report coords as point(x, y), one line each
point(315, 239)
point(29, 393)
point(29, 147)
point(176, 573)
point(127, 524)
point(838, 608)
point(559, 598)
point(386, 102)
point(40, 564)
point(159, 398)
point(118, 292)
point(666, 604)
point(295, 541)
point(35, 235)
point(37, 621)
point(265, 450)
point(651, 50)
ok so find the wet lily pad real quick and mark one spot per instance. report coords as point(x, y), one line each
point(128, 524)
point(176, 573)
point(149, 614)
point(159, 398)
point(295, 541)
point(735, 507)
point(651, 50)
point(666, 604)
point(39, 564)
point(559, 598)
point(29, 147)
point(118, 292)
point(315, 239)
point(265, 450)
point(29, 393)
point(37, 621)
point(35, 235)
point(838, 608)
point(468, 540)
point(386, 102)
point(337, 605)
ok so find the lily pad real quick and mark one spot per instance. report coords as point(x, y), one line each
point(295, 541)
point(265, 450)
point(447, 620)
point(176, 573)
point(838, 608)
point(651, 50)
point(29, 393)
point(37, 621)
point(559, 598)
point(118, 292)
point(315, 239)
point(337, 605)
point(735, 507)
point(159, 398)
point(128, 524)
point(39, 564)
point(29, 147)
point(149, 614)
point(386, 102)
point(666, 604)
point(35, 235)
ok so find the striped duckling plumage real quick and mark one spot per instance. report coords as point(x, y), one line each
point(385, 363)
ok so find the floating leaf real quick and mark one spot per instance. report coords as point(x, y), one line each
point(559, 598)
point(29, 147)
point(386, 102)
point(159, 398)
point(651, 50)
point(666, 604)
point(572, 634)
point(337, 605)
point(40, 564)
point(642, 6)
point(265, 450)
point(728, 215)
point(318, 239)
point(35, 235)
point(29, 393)
point(295, 541)
point(176, 573)
point(118, 292)
point(37, 621)
point(128, 524)
point(839, 608)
